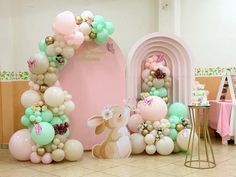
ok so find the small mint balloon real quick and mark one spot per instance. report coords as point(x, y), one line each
point(174, 119)
point(42, 133)
point(47, 116)
point(173, 134)
point(99, 19)
point(25, 121)
point(177, 109)
point(110, 27)
point(29, 111)
point(56, 120)
point(42, 45)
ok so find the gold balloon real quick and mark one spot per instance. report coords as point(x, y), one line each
point(78, 20)
point(145, 132)
point(49, 40)
point(179, 127)
point(41, 151)
point(153, 73)
point(92, 35)
point(166, 99)
point(43, 88)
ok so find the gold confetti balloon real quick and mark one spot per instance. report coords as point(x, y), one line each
point(78, 20)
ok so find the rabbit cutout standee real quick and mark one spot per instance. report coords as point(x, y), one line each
point(117, 143)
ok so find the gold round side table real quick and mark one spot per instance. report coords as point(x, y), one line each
point(200, 153)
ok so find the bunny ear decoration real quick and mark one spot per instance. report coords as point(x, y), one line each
point(95, 121)
point(100, 128)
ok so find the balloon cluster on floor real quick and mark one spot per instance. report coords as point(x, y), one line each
point(155, 78)
point(156, 128)
point(47, 105)
point(157, 125)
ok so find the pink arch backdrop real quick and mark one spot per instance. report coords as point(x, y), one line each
point(178, 58)
point(95, 77)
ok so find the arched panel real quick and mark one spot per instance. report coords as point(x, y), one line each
point(178, 58)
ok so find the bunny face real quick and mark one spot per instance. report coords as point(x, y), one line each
point(117, 119)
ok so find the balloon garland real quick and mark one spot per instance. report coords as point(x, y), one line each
point(47, 105)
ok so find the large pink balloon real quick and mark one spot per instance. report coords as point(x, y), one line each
point(152, 108)
point(134, 122)
point(20, 145)
point(65, 23)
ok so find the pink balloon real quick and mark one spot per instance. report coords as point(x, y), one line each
point(152, 108)
point(134, 122)
point(145, 73)
point(47, 159)
point(35, 158)
point(75, 39)
point(20, 145)
point(65, 23)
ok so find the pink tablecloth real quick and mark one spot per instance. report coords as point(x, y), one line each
point(219, 118)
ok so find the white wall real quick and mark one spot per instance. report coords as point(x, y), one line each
point(25, 22)
point(209, 28)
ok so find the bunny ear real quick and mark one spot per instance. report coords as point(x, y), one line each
point(100, 128)
point(95, 121)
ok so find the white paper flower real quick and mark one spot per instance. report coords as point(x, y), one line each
point(107, 113)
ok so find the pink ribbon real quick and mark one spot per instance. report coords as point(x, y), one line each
point(31, 62)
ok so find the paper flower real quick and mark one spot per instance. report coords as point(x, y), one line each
point(107, 113)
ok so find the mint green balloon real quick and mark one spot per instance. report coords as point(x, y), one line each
point(25, 121)
point(110, 27)
point(63, 117)
point(173, 134)
point(174, 119)
point(177, 109)
point(172, 125)
point(99, 19)
point(162, 92)
point(44, 134)
point(42, 45)
point(102, 36)
point(29, 111)
point(56, 120)
point(47, 116)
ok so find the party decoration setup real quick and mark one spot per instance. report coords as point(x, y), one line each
point(154, 118)
point(47, 105)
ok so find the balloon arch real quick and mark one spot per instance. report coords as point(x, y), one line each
point(47, 105)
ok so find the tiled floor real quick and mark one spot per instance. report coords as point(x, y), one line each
point(135, 166)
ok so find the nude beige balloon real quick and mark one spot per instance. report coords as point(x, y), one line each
point(50, 78)
point(58, 155)
point(40, 65)
point(73, 150)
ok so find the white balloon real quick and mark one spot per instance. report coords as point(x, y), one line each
point(54, 96)
point(183, 138)
point(156, 125)
point(85, 28)
point(40, 65)
point(73, 150)
point(30, 97)
point(149, 139)
point(150, 149)
point(87, 14)
point(154, 132)
point(165, 146)
point(68, 52)
point(166, 131)
point(138, 144)
point(69, 106)
point(51, 51)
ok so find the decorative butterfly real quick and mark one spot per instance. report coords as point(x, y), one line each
point(160, 57)
point(110, 47)
point(31, 62)
point(147, 101)
point(38, 128)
